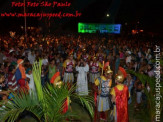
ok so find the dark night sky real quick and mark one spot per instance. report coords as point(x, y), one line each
point(149, 14)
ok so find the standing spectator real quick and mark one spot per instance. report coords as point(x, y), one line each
point(44, 75)
point(121, 55)
point(3, 94)
point(130, 84)
point(21, 76)
point(52, 69)
point(138, 86)
point(1, 57)
point(117, 63)
point(110, 58)
point(31, 84)
point(60, 69)
point(12, 58)
point(12, 83)
point(31, 57)
point(128, 58)
point(1, 67)
point(45, 60)
point(150, 70)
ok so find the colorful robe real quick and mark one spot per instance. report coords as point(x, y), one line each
point(21, 76)
point(68, 71)
point(94, 71)
point(121, 94)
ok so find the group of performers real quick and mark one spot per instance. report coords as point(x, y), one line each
point(108, 99)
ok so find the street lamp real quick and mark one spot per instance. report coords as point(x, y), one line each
point(107, 15)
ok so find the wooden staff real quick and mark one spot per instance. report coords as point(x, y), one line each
point(102, 67)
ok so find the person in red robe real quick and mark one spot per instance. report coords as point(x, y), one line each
point(120, 96)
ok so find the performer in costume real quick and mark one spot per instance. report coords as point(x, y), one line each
point(101, 56)
point(68, 67)
point(56, 81)
point(82, 82)
point(104, 85)
point(21, 76)
point(85, 56)
point(120, 96)
point(94, 70)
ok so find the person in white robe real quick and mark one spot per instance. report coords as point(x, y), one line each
point(31, 57)
point(82, 83)
point(31, 84)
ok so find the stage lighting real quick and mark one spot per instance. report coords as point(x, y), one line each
point(107, 15)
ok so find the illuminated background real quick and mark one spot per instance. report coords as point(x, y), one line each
point(99, 28)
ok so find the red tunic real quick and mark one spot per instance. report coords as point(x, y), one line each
point(94, 67)
point(121, 98)
point(69, 66)
point(85, 57)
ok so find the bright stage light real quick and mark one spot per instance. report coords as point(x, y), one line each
point(107, 15)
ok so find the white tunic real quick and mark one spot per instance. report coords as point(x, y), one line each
point(82, 82)
point(31, 58)
point(31, 83)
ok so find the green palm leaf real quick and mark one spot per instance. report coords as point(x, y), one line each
point(20, 103)
point(48, 102)
point(150, 95)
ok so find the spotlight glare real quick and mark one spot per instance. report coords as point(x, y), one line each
point(107, 15)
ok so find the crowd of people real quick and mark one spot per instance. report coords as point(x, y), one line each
point(80, 59)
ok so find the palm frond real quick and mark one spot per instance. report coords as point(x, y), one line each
point(150, 95)
point(86, 101)
point(62, 117)
point(54, 99)
point(48, 102)
point(20, 103)
point(36, 71)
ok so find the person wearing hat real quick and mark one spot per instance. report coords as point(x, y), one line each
point(104, 83)
point(11, 57)
point(20, 76)
point(120, 95)
point(68, 67)
point(57, 83)
point(94, 70)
